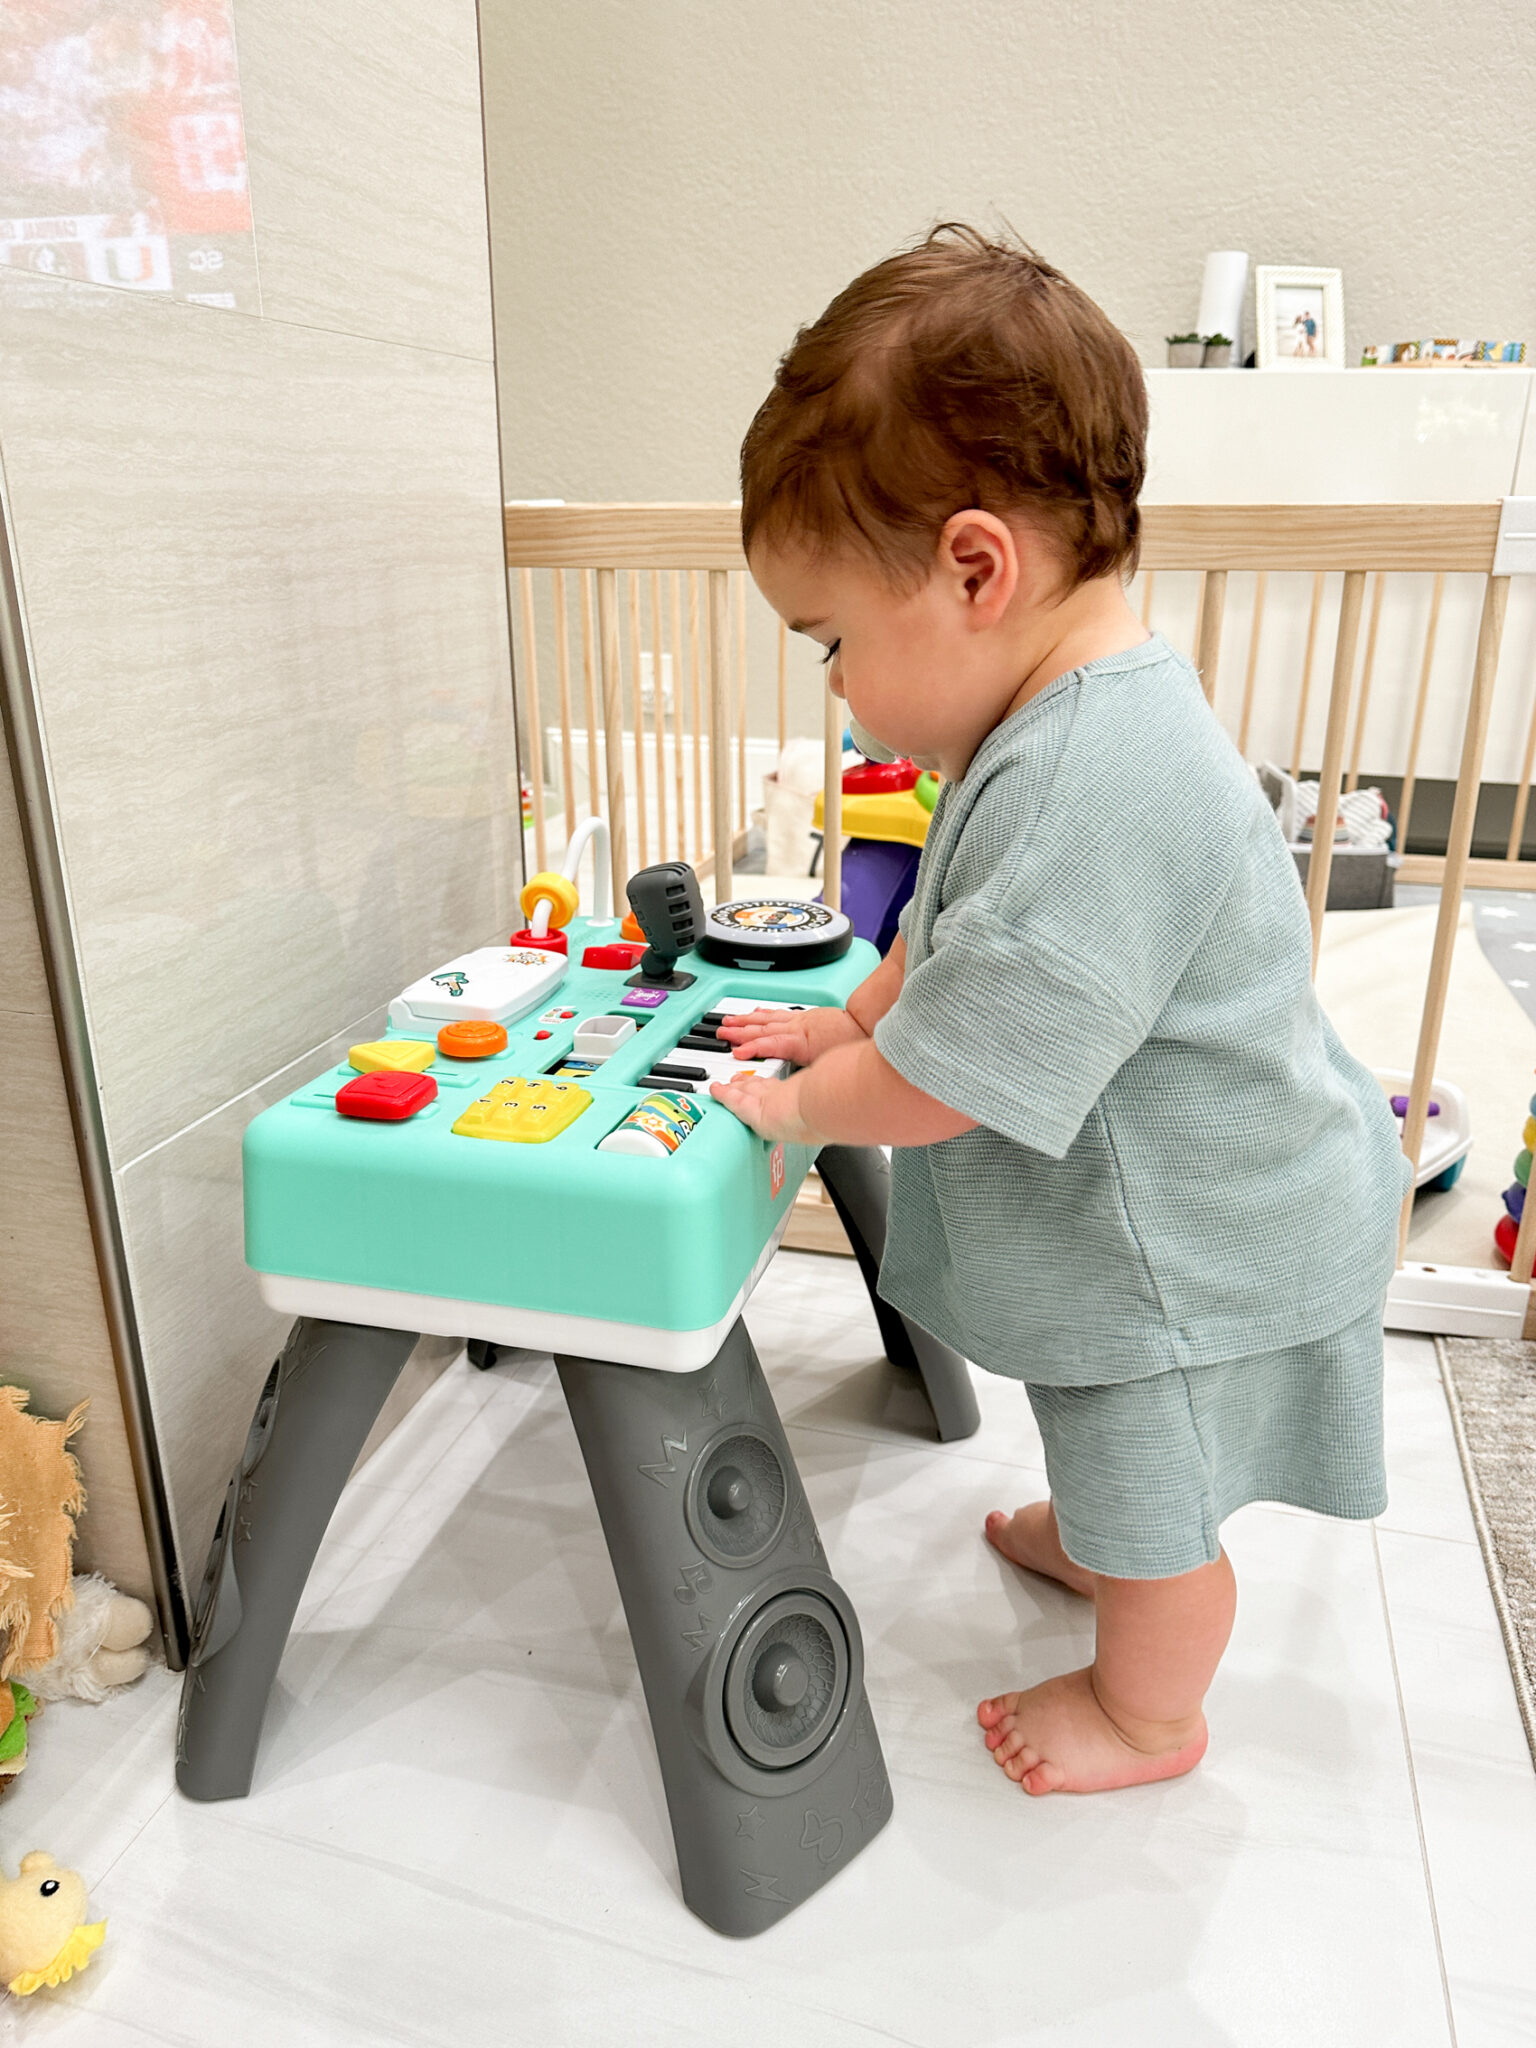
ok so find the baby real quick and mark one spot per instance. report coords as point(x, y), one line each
point(1134, 1167)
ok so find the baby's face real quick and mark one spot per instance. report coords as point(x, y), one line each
point(905, 664)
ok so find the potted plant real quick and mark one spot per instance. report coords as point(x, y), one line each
point(1218, 352)
point(1185, 351)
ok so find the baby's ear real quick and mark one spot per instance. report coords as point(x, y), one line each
point(980, 557)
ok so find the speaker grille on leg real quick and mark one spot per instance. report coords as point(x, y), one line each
point(787, 1680)
point(736, 1498)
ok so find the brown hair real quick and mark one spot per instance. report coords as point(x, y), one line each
point(963, 372)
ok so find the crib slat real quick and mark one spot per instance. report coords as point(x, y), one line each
point(675, 591)
point(720, 730)
point(1213, 599)
point(1523, 796)
point(642, 829)
point(1468, 783)
point(832, 803)
point(659, 714)
point(740, 583)
point(1260, 584)
point(1367, 669)
point(1330, 781)
point(563, 669)
point(1306, 674)
point(1411, 767)
point(534, 722)
point(1521, 1265)
point(589, 688)
point(613, 727)
point(695, 663)
point(1148, 584)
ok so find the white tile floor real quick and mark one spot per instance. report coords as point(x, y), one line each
point(457, 1833)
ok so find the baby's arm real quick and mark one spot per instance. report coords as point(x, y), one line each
point(850, 1094)
point(802, 1036)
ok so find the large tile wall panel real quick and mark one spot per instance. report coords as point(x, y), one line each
point(208, 1338)
point(262, 568)
point(53, 1333)
point(362, 124)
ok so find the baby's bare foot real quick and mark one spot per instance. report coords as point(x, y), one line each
point(1057, 1738)
point(1030, 1538)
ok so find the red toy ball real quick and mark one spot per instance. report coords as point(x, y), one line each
point(1505, 1231)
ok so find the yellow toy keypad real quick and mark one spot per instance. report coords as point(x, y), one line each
point(524, 1112)
point(393, 1056)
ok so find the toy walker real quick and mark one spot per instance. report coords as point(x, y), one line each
point(530, 1156)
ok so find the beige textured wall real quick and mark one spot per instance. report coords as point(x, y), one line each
point(674, 186)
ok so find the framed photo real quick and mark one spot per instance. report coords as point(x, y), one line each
point(1299, 314)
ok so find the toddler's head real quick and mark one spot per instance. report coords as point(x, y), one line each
point(951, 452)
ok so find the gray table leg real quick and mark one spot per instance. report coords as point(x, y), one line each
point(319, 1402)
point(749, 1651)
point(858, 1178)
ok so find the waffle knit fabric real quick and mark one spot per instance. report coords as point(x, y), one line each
point(1177, 1165)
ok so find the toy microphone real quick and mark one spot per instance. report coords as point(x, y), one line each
point(669, 909)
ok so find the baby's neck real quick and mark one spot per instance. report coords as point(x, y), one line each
point(1051, 640)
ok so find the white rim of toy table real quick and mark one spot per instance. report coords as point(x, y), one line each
point(436, 1315)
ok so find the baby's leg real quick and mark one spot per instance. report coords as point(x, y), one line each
point(1030, 1537)
point(1135, 1713)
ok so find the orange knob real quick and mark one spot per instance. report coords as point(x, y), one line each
point(472, 1039)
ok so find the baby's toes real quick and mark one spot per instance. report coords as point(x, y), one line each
point(1024, 1759)
point(1006, 1740)
point(1043, 1777)
point(990, 1712)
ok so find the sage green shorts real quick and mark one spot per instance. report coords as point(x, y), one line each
point(1144, 1472)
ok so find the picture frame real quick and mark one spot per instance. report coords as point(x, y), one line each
point(1299, 317)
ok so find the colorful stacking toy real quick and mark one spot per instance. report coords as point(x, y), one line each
point(1507, 1229)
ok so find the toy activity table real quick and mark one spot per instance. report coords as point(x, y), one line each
point(497, 1167)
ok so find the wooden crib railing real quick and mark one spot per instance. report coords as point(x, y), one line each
point(664, 585)
point(667, 584)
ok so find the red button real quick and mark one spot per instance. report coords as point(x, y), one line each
point(388, 1096)
point(617, 956)
point(879, 778)
point(541, 1034)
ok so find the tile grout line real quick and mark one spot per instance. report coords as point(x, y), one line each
point(262, 1081)
point(364, 1551)
point(1413, 1787)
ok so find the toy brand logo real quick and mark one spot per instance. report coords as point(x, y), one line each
point(776, 1170)
point(452, 984)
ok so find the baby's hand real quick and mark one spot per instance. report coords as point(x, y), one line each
point(771, 1108)
point(799, 1036)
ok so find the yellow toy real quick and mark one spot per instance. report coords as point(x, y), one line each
point(43, 1935)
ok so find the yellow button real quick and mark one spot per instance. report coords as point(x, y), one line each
point(524, 1112)
point(393, 1056)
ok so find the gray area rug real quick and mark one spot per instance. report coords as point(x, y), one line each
point(1491, 1387)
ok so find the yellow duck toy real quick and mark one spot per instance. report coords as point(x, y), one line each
point(43, 1935)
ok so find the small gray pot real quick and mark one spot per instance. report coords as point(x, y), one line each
point(1218, 356)
point(1185, 355)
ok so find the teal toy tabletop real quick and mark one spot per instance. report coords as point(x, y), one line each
point(530, 1155)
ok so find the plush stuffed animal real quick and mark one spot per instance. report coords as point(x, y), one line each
point(43, 1935)
point(17, 1706)
point(102, 1637)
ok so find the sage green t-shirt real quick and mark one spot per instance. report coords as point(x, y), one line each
point(1109, 967)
